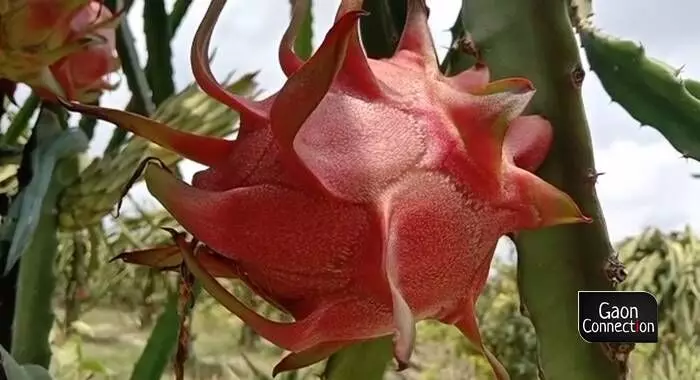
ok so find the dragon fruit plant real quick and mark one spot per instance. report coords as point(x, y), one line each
point(367, 194)
point(364, 196)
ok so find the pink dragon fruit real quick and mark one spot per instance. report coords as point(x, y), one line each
point(362, 197)
point(59, 47)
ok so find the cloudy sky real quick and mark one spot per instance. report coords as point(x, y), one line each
point(646, 181)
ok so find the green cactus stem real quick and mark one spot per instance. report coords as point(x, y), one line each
point(162, 342)
point(20, 122)
point(159, 68)
point(649, 90)
point(535, 39)
point(382, 28)
point(135, 77)
point(39, 245)
point(178, 13)
point(459, 57)
point(303, 45)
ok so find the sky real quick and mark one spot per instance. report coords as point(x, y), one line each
point(646, 182)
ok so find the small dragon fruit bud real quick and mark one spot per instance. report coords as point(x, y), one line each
point(59, 47)
point(362, 197)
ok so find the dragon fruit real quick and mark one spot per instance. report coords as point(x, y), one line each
point(364, 196)
point(59, 47)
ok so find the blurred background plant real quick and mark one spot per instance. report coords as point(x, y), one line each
point(106, 319)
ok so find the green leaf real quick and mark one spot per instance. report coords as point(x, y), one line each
point(14, 371)
point(162, 343)
point(53, 144)
point(649, 90)
point(366, 361)
point(159, 68)
point(303, 45)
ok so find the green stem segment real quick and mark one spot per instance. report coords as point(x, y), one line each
point(458, 57)
point(140, 101)
point(179, 11)
point(162, 342)
point(159, 37)
point(135, 76)
point(21, 120)
point(382, 28)
point(34, 316)
point(535, 39)
point(159, 69)
point(649, 90)
point(303, 45)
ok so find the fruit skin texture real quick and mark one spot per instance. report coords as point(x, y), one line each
point(59, 47)
point(362, 197)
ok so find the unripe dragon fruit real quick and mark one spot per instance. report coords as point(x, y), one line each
point(58, 47)
point(362, 197)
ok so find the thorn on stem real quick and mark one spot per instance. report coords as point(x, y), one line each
point(577, 76)
point(619, 354)
point(614, 270)
point(640, 49)
point(679, 70)
point(523, 310)
point(593, 175)
point(466, 45)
